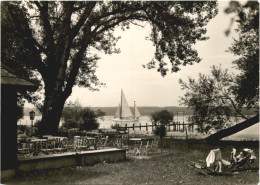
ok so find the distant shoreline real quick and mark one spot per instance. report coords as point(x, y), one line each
point(145, 110)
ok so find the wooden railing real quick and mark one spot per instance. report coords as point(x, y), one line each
point(174, 126)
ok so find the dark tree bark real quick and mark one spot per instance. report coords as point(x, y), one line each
point(232, 130)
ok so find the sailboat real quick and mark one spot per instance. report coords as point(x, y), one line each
point(124, 114)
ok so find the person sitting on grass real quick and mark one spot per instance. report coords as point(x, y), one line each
point(214, 159)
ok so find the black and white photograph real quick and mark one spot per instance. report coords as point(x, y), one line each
point(130, 92)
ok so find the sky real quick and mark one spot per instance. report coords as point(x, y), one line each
point(148, 87)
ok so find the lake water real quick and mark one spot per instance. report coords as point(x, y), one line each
point(105, 123)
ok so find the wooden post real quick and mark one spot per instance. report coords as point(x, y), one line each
point(187, 139)
point(183, 126)
point(146, 127)
point(140, 126)
point(133, 126)
point(128, 137)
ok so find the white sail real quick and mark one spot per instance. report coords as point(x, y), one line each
point(117, 115)
point(124, 114)
point(125, 111)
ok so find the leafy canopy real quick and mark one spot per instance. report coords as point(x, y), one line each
point(211, 99)
point(246, 47)
point(69, 34)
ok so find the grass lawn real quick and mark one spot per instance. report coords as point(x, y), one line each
point(170, 168)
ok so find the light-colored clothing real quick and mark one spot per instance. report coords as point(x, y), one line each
point(213, 157)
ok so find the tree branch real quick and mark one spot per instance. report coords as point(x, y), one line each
point(28, 38)
point(48, 32)
point(82, 20)
point(120, 20)
point(76, 61)
point(234, 106)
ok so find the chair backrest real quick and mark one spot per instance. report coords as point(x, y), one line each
point(155, 142)
point(246, 156)
point(105, 142)
point(233, 155)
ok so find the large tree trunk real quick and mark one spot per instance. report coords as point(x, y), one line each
point(234, 129)
point(51, 114)
point(53, 105)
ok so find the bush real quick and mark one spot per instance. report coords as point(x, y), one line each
point(160, 131)
point(24, 129)
point(76, 116)
point(68, 124)
point(90, 119)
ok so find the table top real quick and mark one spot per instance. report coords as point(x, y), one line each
point(141, 139)
point(38, 140)
point(93, 134)
point(87, 137)
point(57, 137)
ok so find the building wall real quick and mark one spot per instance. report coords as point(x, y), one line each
point(8, 128)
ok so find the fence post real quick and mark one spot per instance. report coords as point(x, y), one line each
point(128, 137)
point(183, 126)
point(133, 126)
point(187, 139)
point(146, 127)
point(140, 126)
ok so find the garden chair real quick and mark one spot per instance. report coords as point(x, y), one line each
point(47, 147)
point(246, 157)
point(24, 150)
point(103, 143)
point(68, 144)
point(145, 150)
point(80, 144)
point(137, 148)
point(59, 145)
point(155, 143)
point(125, 143)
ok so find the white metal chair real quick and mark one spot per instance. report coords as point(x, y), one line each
point(103, 144)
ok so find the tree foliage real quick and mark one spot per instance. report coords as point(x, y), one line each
point(76, 116)
point(216, 98)
point(90, 119)
point(160, 119)
point(211, 99)
point(246, 47)
point(18, 57)
point(65, 37)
